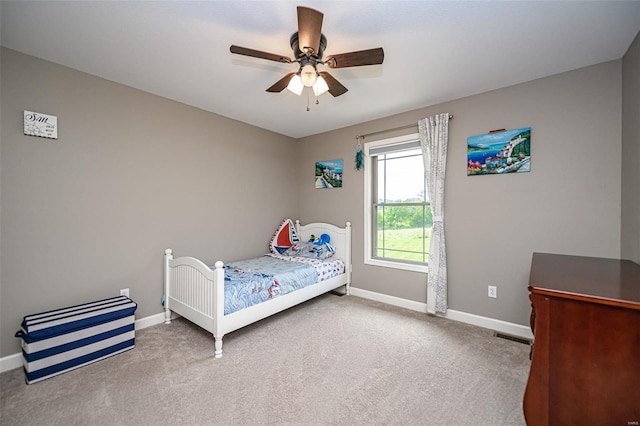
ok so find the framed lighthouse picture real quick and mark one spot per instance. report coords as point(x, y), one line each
point(499, 152)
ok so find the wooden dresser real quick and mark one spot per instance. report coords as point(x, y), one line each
point(585, 366)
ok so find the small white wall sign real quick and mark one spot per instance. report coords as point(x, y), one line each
point(42, 125)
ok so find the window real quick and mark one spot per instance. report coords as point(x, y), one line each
point(397, 212)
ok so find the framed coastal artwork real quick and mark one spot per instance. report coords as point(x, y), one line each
point(329, 174)
point(499, 152)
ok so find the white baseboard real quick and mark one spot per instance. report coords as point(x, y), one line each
point(15, 361)
point(505, 327)
point(10, 362)
point(512, 329)
point(149, 321)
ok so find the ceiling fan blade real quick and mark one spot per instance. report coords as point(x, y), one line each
point(259, 54)
point(309, 29)
point(335, 87)
point(356, 59)
point(281, 84)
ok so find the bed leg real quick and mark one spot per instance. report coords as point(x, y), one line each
point(218, 344)
point(167, 316)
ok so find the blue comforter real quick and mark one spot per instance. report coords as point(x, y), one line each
point(248, 282)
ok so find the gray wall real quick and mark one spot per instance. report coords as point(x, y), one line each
point(570, 202)
point(90, 213)
point(130, 175)
point(630, 248)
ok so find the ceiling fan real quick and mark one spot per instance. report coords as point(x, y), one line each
point(308, 45)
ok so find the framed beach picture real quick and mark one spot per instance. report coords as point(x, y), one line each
point(329, 174)
point(504, 151)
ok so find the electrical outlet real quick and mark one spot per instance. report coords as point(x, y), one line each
point(493, 291)
point(124, 292)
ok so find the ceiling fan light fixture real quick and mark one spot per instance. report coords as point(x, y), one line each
point(320, 87)
point(309, 75)
point(295, 85)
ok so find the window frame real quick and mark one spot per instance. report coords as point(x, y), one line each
point(369, 259)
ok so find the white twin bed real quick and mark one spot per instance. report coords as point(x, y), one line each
point(196, 291)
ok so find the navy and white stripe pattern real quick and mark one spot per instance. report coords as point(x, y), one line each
point(58, 341)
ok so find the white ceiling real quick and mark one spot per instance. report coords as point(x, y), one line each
point(435, 51)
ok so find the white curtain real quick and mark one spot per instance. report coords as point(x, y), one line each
point(434, 138)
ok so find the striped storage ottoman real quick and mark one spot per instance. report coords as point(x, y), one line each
point(58, 341)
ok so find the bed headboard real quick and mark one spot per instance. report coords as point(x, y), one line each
point(340, 237)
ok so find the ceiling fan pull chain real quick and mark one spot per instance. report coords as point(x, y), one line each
point(308, 109)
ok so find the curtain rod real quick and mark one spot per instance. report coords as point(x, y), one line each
point(392, 130)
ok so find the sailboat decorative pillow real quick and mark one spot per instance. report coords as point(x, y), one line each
point(284, 238)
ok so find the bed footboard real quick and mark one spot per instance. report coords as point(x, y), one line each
point(194, 291)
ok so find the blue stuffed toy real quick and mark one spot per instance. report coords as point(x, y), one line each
point(322, 239)
point(319, 247)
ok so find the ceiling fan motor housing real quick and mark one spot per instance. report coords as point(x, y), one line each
point(295, 46)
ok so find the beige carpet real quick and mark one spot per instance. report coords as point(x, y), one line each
point(333, 360)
